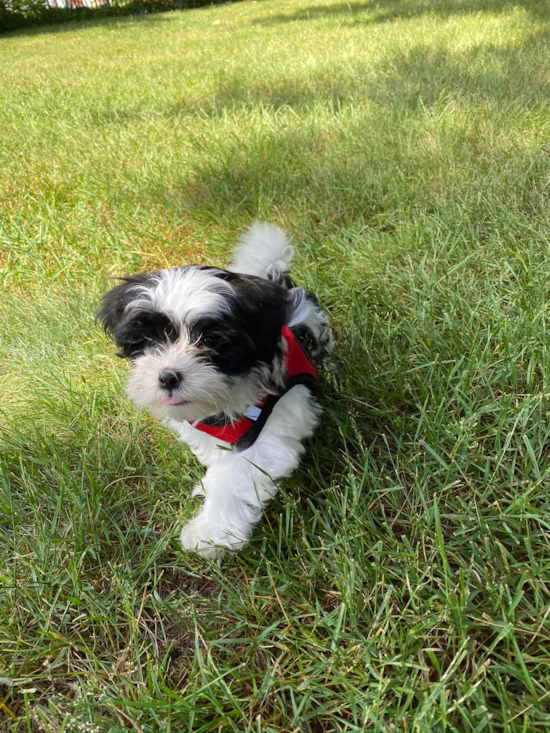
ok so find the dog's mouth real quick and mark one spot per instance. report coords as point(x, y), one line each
point(173, 400)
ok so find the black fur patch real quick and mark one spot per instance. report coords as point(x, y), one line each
point(134, 330)
point(247, 334)
point(250, 332)
point(144, 329)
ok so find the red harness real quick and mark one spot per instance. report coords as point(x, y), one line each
point(243, 431)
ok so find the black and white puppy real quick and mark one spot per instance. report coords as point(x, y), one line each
point(224, 358)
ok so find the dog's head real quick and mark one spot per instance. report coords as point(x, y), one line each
point(200, 339)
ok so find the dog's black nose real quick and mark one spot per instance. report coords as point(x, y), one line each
point(169, 379)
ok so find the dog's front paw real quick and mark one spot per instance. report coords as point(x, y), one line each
point(208, 539)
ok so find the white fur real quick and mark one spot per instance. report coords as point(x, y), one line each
point(263, 251)
point(183, 292)
point(204, 389)
point(237, 485)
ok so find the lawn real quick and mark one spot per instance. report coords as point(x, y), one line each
point(400, 581)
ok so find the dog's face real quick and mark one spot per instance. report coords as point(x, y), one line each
point(196, 336)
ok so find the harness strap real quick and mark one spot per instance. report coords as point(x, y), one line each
point(250, 437)
point(243, 432)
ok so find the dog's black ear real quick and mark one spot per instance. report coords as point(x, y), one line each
point(260, 308)
point(115, 302)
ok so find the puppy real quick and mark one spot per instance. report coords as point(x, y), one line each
point(225, 358)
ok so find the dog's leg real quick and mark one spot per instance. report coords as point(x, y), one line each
point(203, 446)
point(238, 485)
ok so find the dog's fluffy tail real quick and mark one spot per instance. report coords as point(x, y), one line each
point(263, 251)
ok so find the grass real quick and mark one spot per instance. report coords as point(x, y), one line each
point(401, 579)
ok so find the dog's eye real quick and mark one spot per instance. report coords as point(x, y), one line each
point(207, 342)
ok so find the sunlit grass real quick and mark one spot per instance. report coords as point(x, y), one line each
point(401, 579)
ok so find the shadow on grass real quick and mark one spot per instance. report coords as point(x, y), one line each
point(412, 78)
point(382, 11)
point(285, 160)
